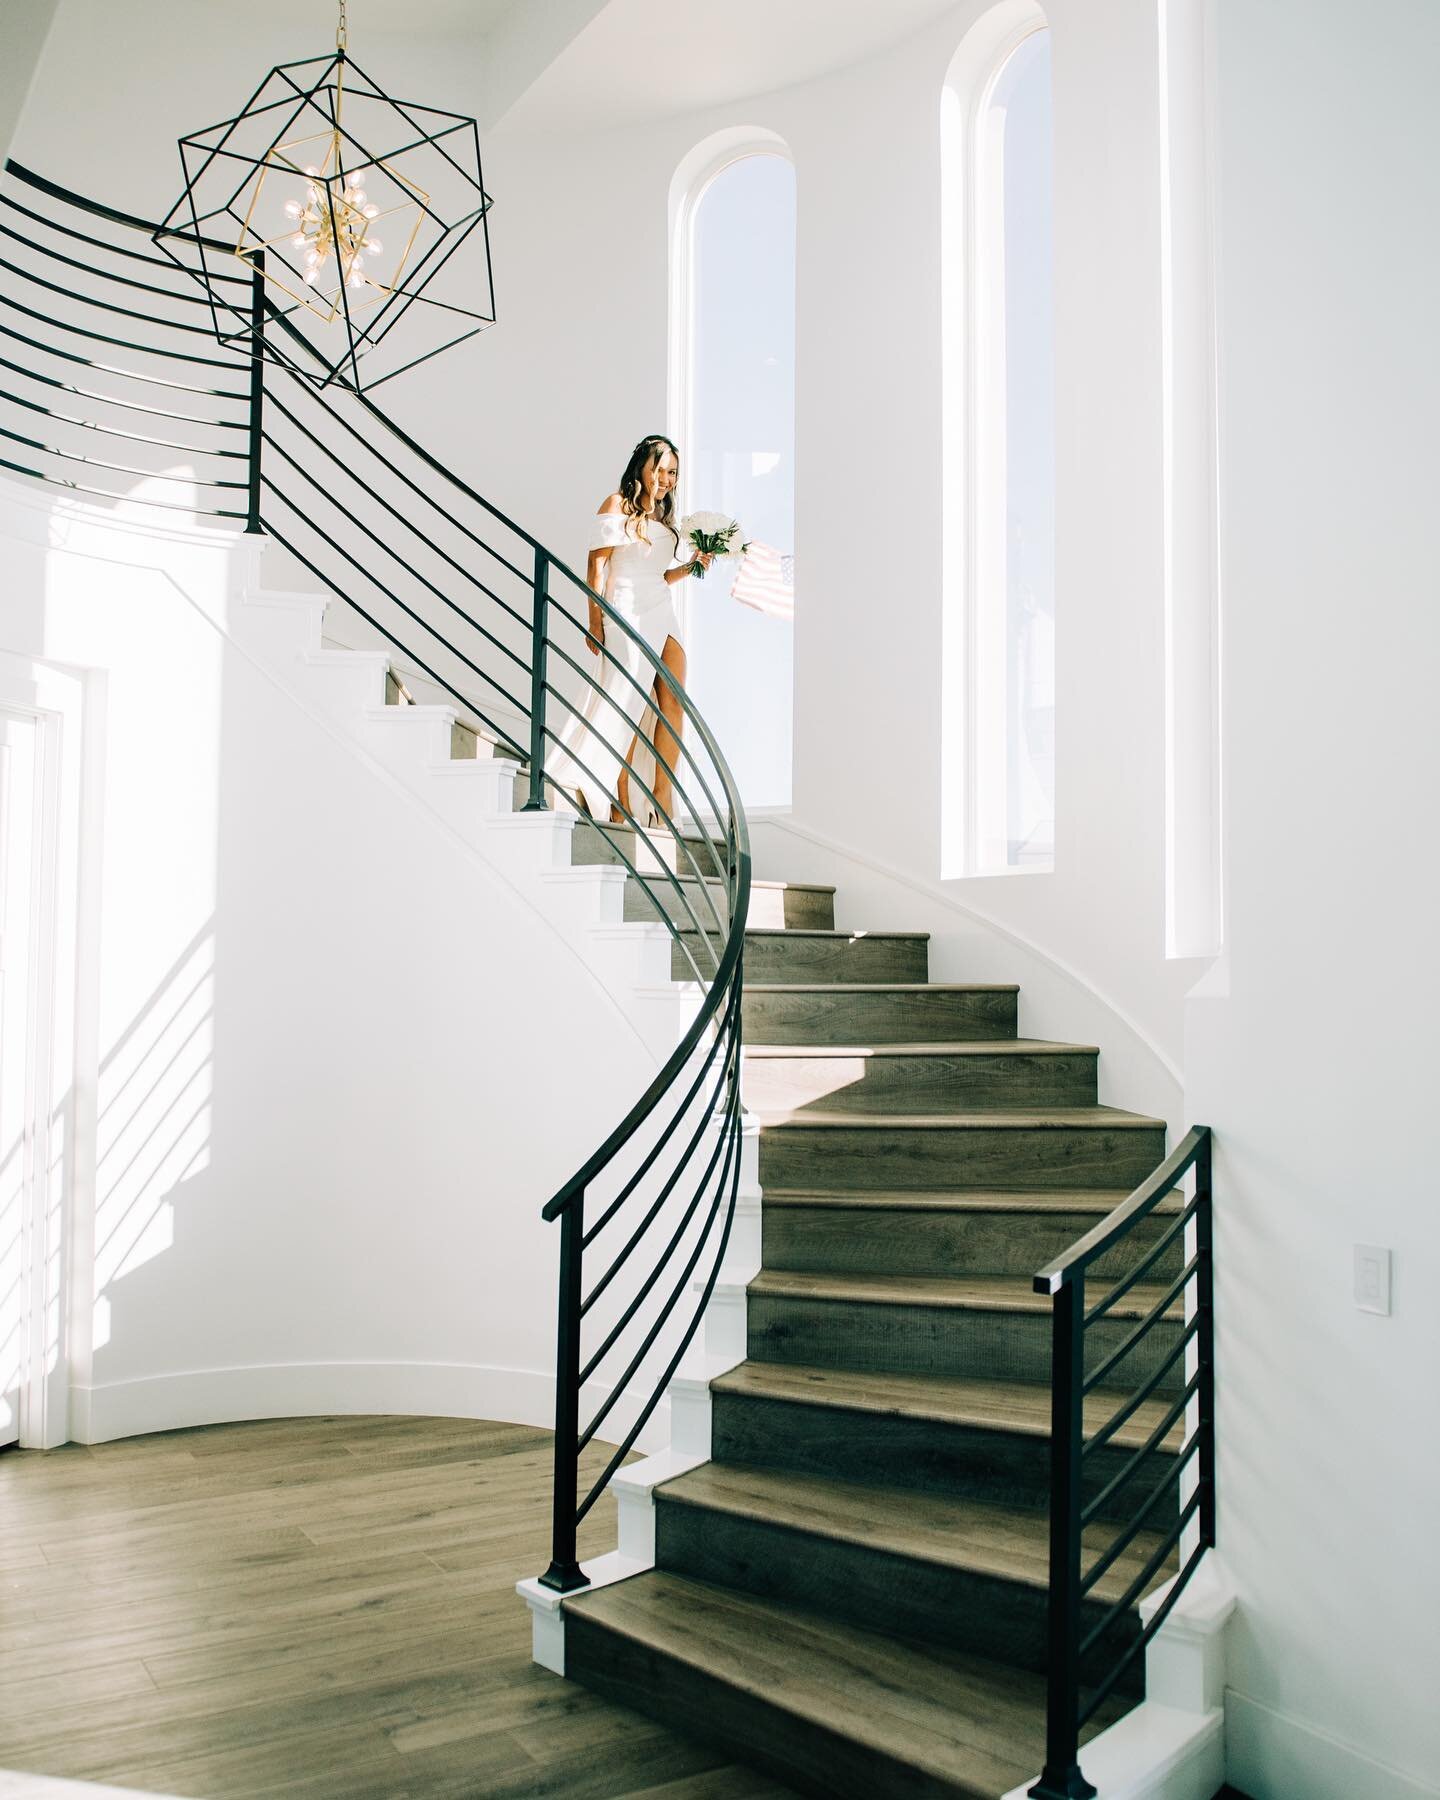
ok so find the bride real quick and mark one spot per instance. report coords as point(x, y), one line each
point(634, 562)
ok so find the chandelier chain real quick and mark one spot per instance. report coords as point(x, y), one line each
point(342, 30)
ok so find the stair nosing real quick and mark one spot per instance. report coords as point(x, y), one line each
point(926, 1746)
point(955, 1553)
point(1136, 1304)
point(839, 1389)
point(1020, 1118)
point(941, 1047)
point(882, 987)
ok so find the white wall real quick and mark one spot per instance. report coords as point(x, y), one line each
point(330, 1064)
point(1313, 1053)
point(581, 246)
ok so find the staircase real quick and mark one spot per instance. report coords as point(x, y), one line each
point(851, 1593)
point(843, 1568)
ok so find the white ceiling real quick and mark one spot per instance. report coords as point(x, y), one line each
point(637, 60)
point(381, 18)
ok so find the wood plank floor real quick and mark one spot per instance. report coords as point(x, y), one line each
point(316, 1607)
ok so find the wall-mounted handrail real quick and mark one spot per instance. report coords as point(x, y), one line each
point(408, 572)
point(1081, 1673)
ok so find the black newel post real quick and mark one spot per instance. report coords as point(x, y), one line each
point(257, 388)
point(565, 1573)
point(538, 642)
point(1062, 1779)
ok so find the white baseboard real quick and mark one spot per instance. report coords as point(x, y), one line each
point(193, 1397)
point(1271, 1756)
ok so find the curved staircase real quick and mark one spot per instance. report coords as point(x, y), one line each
point(894, 1445)
point(852, 1591)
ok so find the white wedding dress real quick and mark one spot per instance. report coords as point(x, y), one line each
point(599, 736)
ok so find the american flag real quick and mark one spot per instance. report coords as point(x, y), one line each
point(766, 581)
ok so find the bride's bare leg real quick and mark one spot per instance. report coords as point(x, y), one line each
point(670, 728)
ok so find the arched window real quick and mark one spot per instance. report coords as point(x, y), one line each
point(1000, 452)
point(734, 371)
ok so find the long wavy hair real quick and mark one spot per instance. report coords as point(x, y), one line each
point(632, 485)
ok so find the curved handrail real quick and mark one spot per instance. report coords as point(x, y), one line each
point(679, 1113)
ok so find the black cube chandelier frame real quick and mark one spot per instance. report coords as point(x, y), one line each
point(326, 234)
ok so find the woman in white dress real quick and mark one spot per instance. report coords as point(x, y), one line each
point(634, 562)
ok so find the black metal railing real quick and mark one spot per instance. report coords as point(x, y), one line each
point(1085, 1662)
point(485, 611)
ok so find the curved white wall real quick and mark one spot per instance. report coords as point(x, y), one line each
point(330, 1065)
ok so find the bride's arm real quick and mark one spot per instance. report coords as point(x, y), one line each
point(597, 573)
point(702, 560)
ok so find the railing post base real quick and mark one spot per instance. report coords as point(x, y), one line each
point(566, 1578)
point(1068, 1784)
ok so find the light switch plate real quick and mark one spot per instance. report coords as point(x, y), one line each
point(1372, 1278)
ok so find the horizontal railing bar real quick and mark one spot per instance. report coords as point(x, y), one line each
point(153, 412)
point(721, 1143)
point(729, 962)
point(1161, 1306)
point(109, 306)
point(78, 487)
point(678, 837)
point(1111, 1229)
point(130, 437)
point(1178, 1586)
point(336, 458)
point(724, 1143)
point(662, 673)
point(94, 462)
point(102, 337)
point(87, 362)
point(1148, 1448)
point(731, 1172)
point(425, 457)
point(648, 698)
point(652, 746)
point(164, 263)
point(1138, 1399)
point(343, 594)
point(672, 1181)
point(1138, 1586)
point(655, 1149)
point(73, 262)
point(1122, 1288)
point(415, 574)
point(1132, 1530)
point(100, 211)
point(633, 869)
point(707, 1118)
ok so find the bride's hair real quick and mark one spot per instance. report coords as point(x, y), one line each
point(632, 484)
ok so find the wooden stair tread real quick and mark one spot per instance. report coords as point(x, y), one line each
point(1100, 1202)
point(976, 1725)
point(969, 1047)
point(882, 987)
point(983, 1293)
point(826, 931)
point(1067, 1118)
point(1020, 1407)
point(774, 887)
point(951, 1531)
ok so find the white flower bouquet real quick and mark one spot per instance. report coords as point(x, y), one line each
point(712, 534)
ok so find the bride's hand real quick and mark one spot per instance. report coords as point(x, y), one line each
point(703, 559)
point(596, 639)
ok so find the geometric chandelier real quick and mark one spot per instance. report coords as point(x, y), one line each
point(358, 210)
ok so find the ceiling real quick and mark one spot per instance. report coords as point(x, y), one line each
point(637, 60)
point(381, 18)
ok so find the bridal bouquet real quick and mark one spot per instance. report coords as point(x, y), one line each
point(713, 534)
